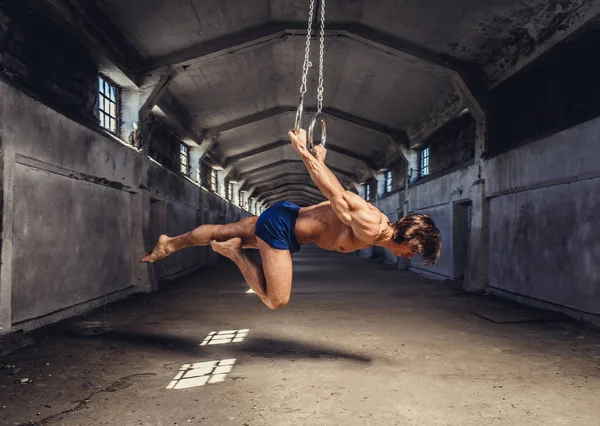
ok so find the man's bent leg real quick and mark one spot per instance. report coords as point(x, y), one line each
point(273, 281)
point(202, 236)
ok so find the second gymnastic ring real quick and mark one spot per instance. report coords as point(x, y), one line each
point(311, 128)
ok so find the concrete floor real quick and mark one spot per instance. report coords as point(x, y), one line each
point(359, 344)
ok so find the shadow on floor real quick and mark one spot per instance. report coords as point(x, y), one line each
point(254, 346)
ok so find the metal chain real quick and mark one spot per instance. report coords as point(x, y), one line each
point(322, 47)
point(307, 64)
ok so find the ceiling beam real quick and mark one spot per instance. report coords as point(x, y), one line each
point(311, 189)
point(266, 186)
point(223, 46)
point(283, 142)
point(298, 199)
point(396, 135)
point(267, 179)
point(257, 151)
point(296, 193)
point(267, 167)
point(468, 78)
point(248, 182)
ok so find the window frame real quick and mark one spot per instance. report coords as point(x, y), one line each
point(388, 181)
point(102, 114)
point(184, 152)
point(214, 185)
point(424, 162)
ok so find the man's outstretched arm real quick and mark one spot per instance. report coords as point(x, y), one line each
point(352, 210)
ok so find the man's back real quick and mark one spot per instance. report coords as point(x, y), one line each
point(320, 225)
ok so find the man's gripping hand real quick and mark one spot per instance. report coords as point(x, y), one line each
point(298, 140)
point(320, 153)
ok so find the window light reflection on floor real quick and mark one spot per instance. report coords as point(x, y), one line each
point(201, 373)
point(225, 336)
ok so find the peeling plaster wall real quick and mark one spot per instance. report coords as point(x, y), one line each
point(519, 33)
point(558, 91)
point(72, 201)
point(545, 238)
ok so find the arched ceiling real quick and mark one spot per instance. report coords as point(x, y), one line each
point(395, 70)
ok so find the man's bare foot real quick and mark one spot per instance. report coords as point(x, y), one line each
point(161, 250)
point(229, 248)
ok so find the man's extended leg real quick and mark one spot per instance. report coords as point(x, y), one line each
point(202, 236)
point(273, 281)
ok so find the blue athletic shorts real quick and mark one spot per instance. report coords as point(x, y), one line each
point(276, 226)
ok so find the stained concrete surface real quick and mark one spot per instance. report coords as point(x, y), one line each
point(360, 343)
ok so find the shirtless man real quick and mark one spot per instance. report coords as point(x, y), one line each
point(344, 223)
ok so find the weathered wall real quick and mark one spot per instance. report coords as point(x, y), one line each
point(38, 55)
point(72, 199)
point(438, 199)
point(453, 145)
point(69, 190)
point(545, 237)
point(164, 145)
point(558, 91)
point(544, 220)
point(179, 205)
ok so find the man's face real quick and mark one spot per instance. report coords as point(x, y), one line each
point(403, 250)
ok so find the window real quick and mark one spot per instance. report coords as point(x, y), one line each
point(213, 180)
point(108, 106)
point(424, 163)
point(184, 159)
point(367, 191)
point(229, 194)
point(388, 181)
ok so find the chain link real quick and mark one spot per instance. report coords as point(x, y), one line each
point(307, 64)
point(322, 47)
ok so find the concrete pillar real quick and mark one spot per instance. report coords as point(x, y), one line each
point(143, 275)
point(221, 182)
point(131, 102)
point(7, 165)
point(380, 179)
point(477, 274)
point(196, 154)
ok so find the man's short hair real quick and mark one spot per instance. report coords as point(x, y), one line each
point(419, 232)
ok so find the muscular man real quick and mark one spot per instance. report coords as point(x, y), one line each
point(344, 223)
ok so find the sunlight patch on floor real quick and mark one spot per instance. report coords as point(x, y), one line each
point(225, 336)
point(201, 373)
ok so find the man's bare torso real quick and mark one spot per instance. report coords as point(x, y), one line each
point(316, 224)
point(320, 225)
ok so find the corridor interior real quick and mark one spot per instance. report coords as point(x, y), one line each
point(359, 343)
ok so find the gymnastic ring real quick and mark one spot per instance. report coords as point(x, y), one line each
point(311, 128)
point(299, 112)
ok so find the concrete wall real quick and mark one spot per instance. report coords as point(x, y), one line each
point(179, 205)
point(79, 210)
point(544, 221)
point(545, 215)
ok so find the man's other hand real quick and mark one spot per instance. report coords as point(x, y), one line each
point(320, 153)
